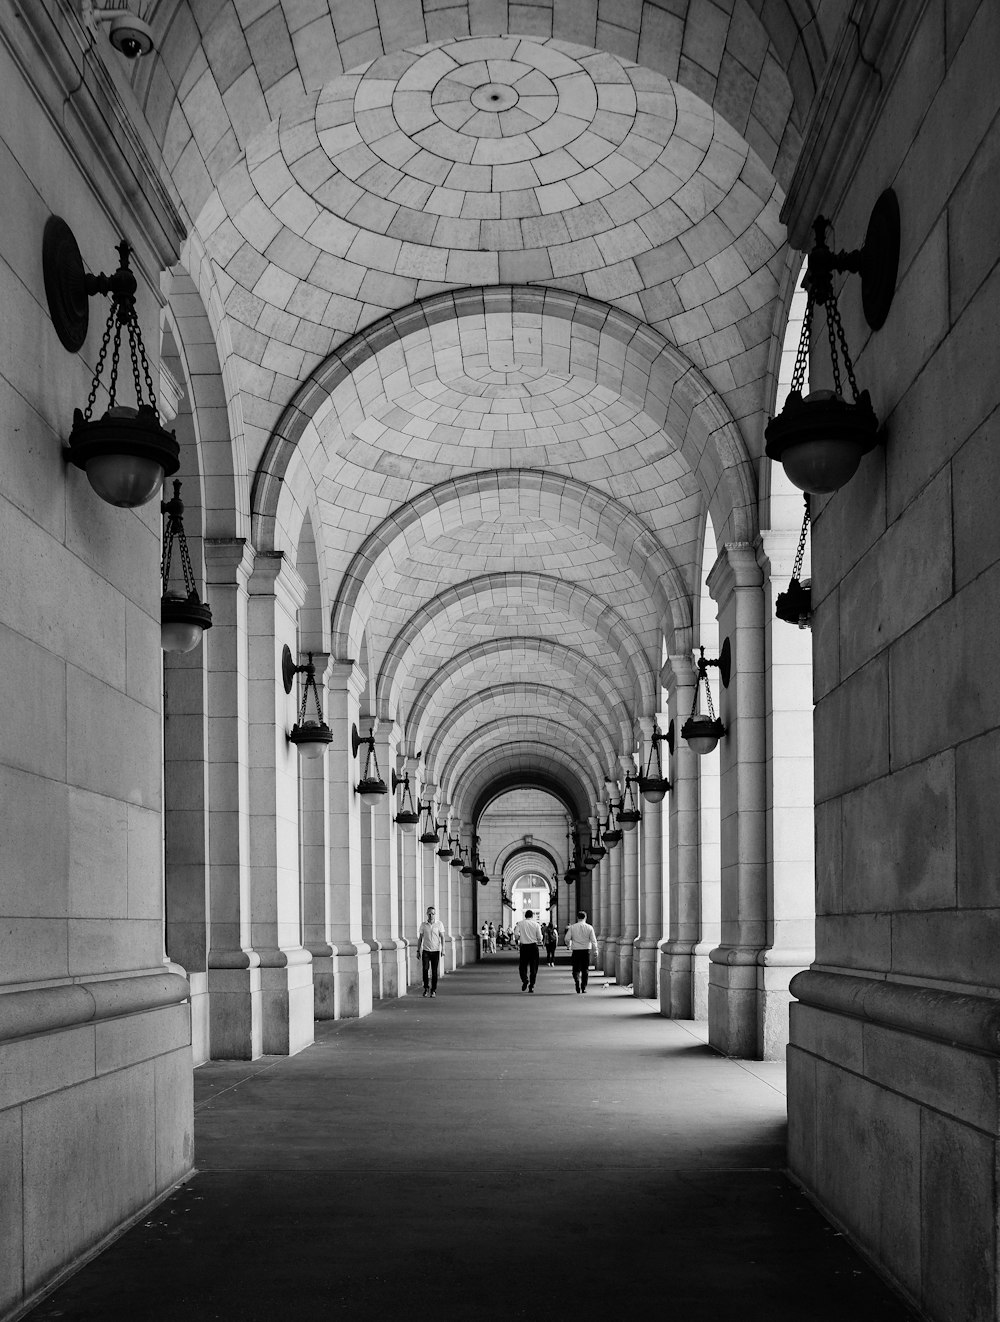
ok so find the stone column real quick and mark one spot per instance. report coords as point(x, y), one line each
point(791, 900)
point(235, 1026)
point(187, 929)
point(613, 931)
point(410, 867)
point(646, 946)
point(677, 994)
point(315, 854)
point(629, 898)
point(353, 962)
point(391, 975)
point(276, 595)
point(737, 1002)
point(601, 917)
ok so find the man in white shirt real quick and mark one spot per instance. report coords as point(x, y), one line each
point(582, 941)
point(430, 944)
point(529, 937)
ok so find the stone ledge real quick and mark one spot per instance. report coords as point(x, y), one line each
point(51, 1009)
point(952, 1017)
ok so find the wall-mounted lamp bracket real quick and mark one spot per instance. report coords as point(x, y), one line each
point(876, 261)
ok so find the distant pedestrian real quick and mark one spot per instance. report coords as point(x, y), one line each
point(430, 944)
point(551, 941)
point(528, 935)
point(582, 941)
point(491, 940)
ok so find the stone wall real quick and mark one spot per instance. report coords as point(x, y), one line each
point(95, 1059)
point(893, 1062)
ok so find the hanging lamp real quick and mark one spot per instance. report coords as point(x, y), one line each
point(310, 736)
point(429, 835)
point(184, 617)
point(371, 784)
point(628, 810)
point(794, 605)
point(703, 732)
point(127, 453)
point(407, 817)
point(653, 784)
point(457, 852)
point(612, 832)
point(444, 849)
point(820, 439)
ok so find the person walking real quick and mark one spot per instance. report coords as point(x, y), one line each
point(551, 941)
point(491, 940)
point(430, 944)
point(529, 937)
point(582, 942)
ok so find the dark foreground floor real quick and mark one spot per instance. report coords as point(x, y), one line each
point(487, 1154)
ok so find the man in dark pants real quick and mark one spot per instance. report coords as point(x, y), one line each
point(529, 936)
point(430, 944)
point(582, 941)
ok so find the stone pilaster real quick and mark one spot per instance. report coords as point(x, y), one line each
point(629, 850)
point(391, 975)
point(677, 967)
point(737, 1005)
point(353, 966)
point(646, 946)
point(315, 855)
point(235, 1026)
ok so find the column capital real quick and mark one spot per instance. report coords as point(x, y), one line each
point(228, 560)
point(275, 575)
point(679, 672)
point(735, 567)
point(776, 553)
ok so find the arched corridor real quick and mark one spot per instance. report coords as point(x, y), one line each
point(407, 408)
point(487, 1155)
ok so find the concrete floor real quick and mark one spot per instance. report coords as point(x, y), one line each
point(487, 1154)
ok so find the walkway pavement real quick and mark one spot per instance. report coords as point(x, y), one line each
point(487, 1154)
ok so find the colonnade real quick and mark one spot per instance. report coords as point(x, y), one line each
point(290, 899)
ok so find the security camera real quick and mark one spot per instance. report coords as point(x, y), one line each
point(130, 35)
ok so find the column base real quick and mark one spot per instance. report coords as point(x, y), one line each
point(235, 1017)
point(389, 969)
point(324, 982)
point(286, 986)
point(748, 1000)
point(623, 970)
point(451, 954)
point(353, 974)
point(676, 997)
point(609, 961)
point(645, 967)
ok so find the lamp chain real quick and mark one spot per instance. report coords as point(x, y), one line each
point(833, 315)
point(92, 397)
point(311, 684)
point(797, 567)
point(802, 353)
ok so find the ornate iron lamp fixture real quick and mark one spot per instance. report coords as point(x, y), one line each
point(184, 617)
point(407, 817)
point(820, 440)
point(466, 866)
point(612, 832)
point(628, 809)
point(456, 852)
point(311, 737)
point(703, 732)
point(126, 454)
point(430, 834)
point(595, 849)
point(653, 784)
point(444, 849)
point(371, 784)
point(794, 606)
